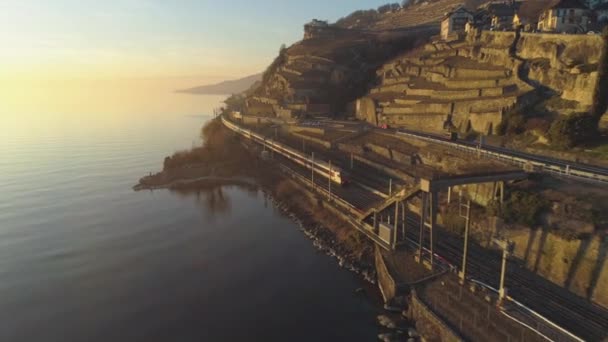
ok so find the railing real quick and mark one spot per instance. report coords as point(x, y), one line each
point(353, 213)
point(350, 209)
point(529, 165)
point(548, 325)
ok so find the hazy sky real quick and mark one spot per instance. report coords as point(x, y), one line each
point(92, 39)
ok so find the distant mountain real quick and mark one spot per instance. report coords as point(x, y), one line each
point(226, 87)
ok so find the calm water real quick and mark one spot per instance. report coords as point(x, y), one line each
point(84, 258)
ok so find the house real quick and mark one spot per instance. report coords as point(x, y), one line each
point(455, 21)
point(565, 16)
point(525, 22)
point(496, 14)
point(501, 14)
point(315, 28)
point(528, 13)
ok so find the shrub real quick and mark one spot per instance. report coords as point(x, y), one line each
point(569, 131)
point(537, 124)
point(600, 100)
point(524, 208)
point(452, 220)
point(494, 208)
point(218, 144)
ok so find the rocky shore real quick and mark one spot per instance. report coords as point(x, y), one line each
point(322, 237)
point(330, 235)
point(324, 240)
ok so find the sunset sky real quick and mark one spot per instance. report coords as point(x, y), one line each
point(74, 40)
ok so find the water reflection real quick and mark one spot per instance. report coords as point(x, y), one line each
point(212, 196)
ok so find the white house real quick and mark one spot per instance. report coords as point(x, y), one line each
point(569, 16)
point(455, 21)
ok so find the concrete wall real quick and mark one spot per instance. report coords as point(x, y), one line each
point(429, 324)
point(389, 171)
point(366, 110)
point(485, 123)
point(496, 39)
point(251, 120)
point(390, 154)
point(314, 130)
point(574, 87)
point(579, 265)
point(386, 283)
point(561, 48)
point(570, 58)
point(423, 122)
point(394, 87)
point(318, 141)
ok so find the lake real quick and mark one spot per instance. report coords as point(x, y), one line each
point(85, 258)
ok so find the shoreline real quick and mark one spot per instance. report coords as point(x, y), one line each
point(322, 237)
point(188, 182)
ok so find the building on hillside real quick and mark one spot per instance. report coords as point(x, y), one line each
point(315, 28)
point(565, 16)
point(455, 21)
point(527, 23)
point(528, 13)
point(496, 14)
point(501, 14)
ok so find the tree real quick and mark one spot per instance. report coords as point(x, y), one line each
point(600, 95)
point(569, 131)
point(523, 208)
point(384, 8)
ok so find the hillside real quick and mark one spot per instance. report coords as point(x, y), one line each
point(225, 87)
point(336, 63)
point(525, 90)
point(419, 13)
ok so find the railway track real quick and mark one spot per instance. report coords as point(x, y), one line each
point(361, 173)
point(549, 165)
point(573, 313)
point(561, 306)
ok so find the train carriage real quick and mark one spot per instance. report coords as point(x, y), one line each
point(335, 173)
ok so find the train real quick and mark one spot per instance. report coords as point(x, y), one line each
point(334, 173)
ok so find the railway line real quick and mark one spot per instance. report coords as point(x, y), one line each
point(561, 306)
point(538, 163)
point(361, 173)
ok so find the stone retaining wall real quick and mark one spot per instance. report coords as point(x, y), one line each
point(318, 141)
point(430, 122)
point(314, 130)
point(391, 154)
point(429, 324)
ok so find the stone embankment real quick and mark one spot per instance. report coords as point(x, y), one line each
point(469, 84)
